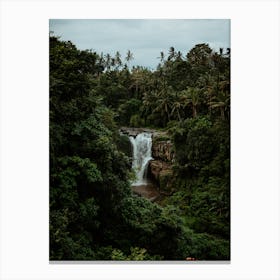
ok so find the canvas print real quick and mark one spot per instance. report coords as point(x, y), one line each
point(139, 127)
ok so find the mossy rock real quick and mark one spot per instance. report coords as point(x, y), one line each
point(166, 180)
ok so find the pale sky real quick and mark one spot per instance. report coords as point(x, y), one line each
point(144, 38)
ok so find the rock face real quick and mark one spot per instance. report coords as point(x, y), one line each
point(160, 169)
point(163, 150)
point(161, 172)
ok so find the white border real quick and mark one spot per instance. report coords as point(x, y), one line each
point(255, 138)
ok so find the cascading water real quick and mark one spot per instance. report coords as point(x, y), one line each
point(142, 154)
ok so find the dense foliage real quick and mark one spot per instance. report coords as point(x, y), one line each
point(93, 213)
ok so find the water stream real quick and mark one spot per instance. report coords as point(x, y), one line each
point(142, 154)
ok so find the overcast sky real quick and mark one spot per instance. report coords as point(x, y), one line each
point(145, 38)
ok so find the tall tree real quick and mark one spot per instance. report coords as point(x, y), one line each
point(172, 53)
point(191, 96)
point(177, 106)
point(118, 59)
point(108, 61)
point(221, 101)
point(129, 56)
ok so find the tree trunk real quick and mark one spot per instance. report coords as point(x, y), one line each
point(210, 108)
point(194, 111)
point(222, 109)
point(179, 117)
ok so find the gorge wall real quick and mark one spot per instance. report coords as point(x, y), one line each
point(160, 168)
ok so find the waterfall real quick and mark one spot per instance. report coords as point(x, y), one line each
point(142, 154)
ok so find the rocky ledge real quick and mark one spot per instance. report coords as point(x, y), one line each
point(134, 131)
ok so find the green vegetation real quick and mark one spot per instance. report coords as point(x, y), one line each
point(93, 213)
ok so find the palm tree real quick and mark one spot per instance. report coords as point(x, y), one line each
point(208, 87)
point(177, 105)
point(118, 59)
point(164, 108)
point(161, 56)
point(179, 56)
point(221, 101)
point(101, 59)
point(129, 56)
point(164, 103)
point(149, 100)
point(191, 96)
point(172, 53)
point(228, 52)
point(136, 79)
point(108, 61)
point(113, 62)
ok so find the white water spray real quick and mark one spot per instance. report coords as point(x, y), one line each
point(142, 154)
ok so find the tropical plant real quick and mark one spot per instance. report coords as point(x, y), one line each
point(191, 96)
